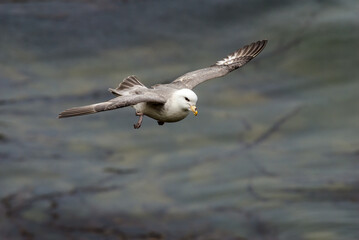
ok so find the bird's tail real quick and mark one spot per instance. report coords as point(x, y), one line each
point(84, 110)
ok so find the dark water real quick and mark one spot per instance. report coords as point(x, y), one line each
point(273, 153)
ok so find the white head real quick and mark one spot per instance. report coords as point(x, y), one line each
point(186, 99)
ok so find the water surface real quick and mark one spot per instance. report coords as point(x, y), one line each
point(273, 153)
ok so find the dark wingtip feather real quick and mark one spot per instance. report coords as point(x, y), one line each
point(243, 55)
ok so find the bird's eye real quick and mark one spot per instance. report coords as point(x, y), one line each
point(186, 99)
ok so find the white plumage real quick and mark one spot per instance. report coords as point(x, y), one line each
point(168, 102)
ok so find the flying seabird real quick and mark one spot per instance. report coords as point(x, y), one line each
point(168, 102)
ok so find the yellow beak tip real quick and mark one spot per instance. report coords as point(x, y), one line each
point(194, 110)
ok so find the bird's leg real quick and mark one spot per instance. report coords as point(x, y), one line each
point(160, 123)
point(138, 124)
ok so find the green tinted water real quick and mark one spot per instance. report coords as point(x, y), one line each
point(273, 153)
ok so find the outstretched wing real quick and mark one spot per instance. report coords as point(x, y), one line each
point(118, 102)
point(221, 68)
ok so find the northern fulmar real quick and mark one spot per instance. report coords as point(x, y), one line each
point(168, 102)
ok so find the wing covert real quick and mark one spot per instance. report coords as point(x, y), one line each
point(222, 67)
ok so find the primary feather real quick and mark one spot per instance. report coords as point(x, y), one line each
point(168, 102)
point(222, 67)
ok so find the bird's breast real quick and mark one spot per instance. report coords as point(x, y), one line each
point(162, 112)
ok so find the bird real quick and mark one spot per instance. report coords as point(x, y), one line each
point(170, 102)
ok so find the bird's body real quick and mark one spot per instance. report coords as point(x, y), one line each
point(171, 110)
point(168, 102)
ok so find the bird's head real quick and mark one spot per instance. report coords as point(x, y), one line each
point(187, 99)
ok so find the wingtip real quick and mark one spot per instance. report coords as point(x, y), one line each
point(61, 115)
point(265, 41)
point(261, 42)
point(249, 52)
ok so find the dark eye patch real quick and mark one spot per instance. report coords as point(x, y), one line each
point(186, 99)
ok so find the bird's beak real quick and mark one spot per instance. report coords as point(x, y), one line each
point(194, 110)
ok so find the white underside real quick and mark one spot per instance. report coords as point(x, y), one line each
point(171, 113)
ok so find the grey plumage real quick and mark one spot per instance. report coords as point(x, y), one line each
point(222, 67)
point(131, 82)
point(168, 102)
point(119, 102)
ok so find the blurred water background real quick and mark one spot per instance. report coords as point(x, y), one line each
point(273, 153)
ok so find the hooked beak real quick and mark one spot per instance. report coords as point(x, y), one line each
point(194, 110)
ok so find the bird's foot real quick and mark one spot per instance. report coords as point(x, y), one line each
point(138, 124)
point(160, 123)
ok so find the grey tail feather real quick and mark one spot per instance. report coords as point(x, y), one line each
point(129, 82)
point(84, 110)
